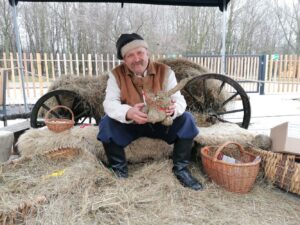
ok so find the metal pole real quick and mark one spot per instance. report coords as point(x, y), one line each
point(223, 59)
point(18, 42)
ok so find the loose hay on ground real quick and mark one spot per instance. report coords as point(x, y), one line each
point(87, 194)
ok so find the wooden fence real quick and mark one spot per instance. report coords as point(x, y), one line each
point(276, 73)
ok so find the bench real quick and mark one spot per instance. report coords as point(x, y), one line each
point(9, 112)
point(16, 130)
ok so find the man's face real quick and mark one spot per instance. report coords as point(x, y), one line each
point(137, 60)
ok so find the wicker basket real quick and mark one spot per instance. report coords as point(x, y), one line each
point(282, 170)
point(57, 124)
point(234, 177)
point(63, 153)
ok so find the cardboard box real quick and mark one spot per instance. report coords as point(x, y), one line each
point(285, 139)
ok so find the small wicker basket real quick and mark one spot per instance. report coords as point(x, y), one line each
point(57, 124)
point(234, 177)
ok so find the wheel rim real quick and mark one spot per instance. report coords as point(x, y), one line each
point(219, 98)
point(82, 111)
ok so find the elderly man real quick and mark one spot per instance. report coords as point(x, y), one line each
point(125, 121)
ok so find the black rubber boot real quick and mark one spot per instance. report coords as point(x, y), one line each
point(181, 157)
point(117, 159)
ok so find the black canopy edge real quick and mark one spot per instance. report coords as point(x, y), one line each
point(199, 3)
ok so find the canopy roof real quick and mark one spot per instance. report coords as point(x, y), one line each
point(211, 3)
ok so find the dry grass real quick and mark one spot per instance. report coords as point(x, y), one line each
point(91, 89)
point(87, 193)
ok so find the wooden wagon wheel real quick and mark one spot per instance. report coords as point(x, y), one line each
point(81, 109)
point(219, 98)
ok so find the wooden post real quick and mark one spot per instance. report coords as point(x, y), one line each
point(90, 65)
point(107, 62)
point(5, 67)
point(96, 65)
point(13, 75)
point(26, 74)
point(39, 69)
point(32, 74)
point(298, 73)
point(102, 63)
point(77, 64)
point(52, 66)
point(270, 72)
point(280, 73)
point(1, 85)
point(71, 64)
point(285, 73)
point(65, 64)
point(113, 61)
point(46, 68)
point(292, 67)
point(58, 65)
point(83, 65)
point(19, 74)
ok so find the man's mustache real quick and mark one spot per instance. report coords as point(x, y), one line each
point(138, 63)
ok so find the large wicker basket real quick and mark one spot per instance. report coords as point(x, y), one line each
point(283, 170)
point(234, 177)
point(58, 124)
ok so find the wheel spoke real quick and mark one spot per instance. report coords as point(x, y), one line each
point(231, 111)
point(84, 119)
point(52, 112)
point(226, 121)
point(229, 99)
point(195, 100)
point(75, 104)
point(222, 120)
point(86, 112)
point(215, 101)
point(221, 87)
point(58, 99)
point(205, 94)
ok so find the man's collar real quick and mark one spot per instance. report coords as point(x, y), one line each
point(151, 68)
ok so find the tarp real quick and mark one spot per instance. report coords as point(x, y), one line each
point(199, 3)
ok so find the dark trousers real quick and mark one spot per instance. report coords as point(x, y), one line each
point(183, 127)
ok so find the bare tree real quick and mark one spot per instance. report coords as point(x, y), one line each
point(288, 16)
point(6, 32)
point(258, 26)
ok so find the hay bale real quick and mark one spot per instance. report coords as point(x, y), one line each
point(42, 141)
point(184, 68)
point(91, 89)
point(147, 149)
point(220, 133)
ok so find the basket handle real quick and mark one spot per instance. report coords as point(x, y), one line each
point(59, 106)
point(241, 149)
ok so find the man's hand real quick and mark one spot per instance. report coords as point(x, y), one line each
point(171, 109)
point(136, 114)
